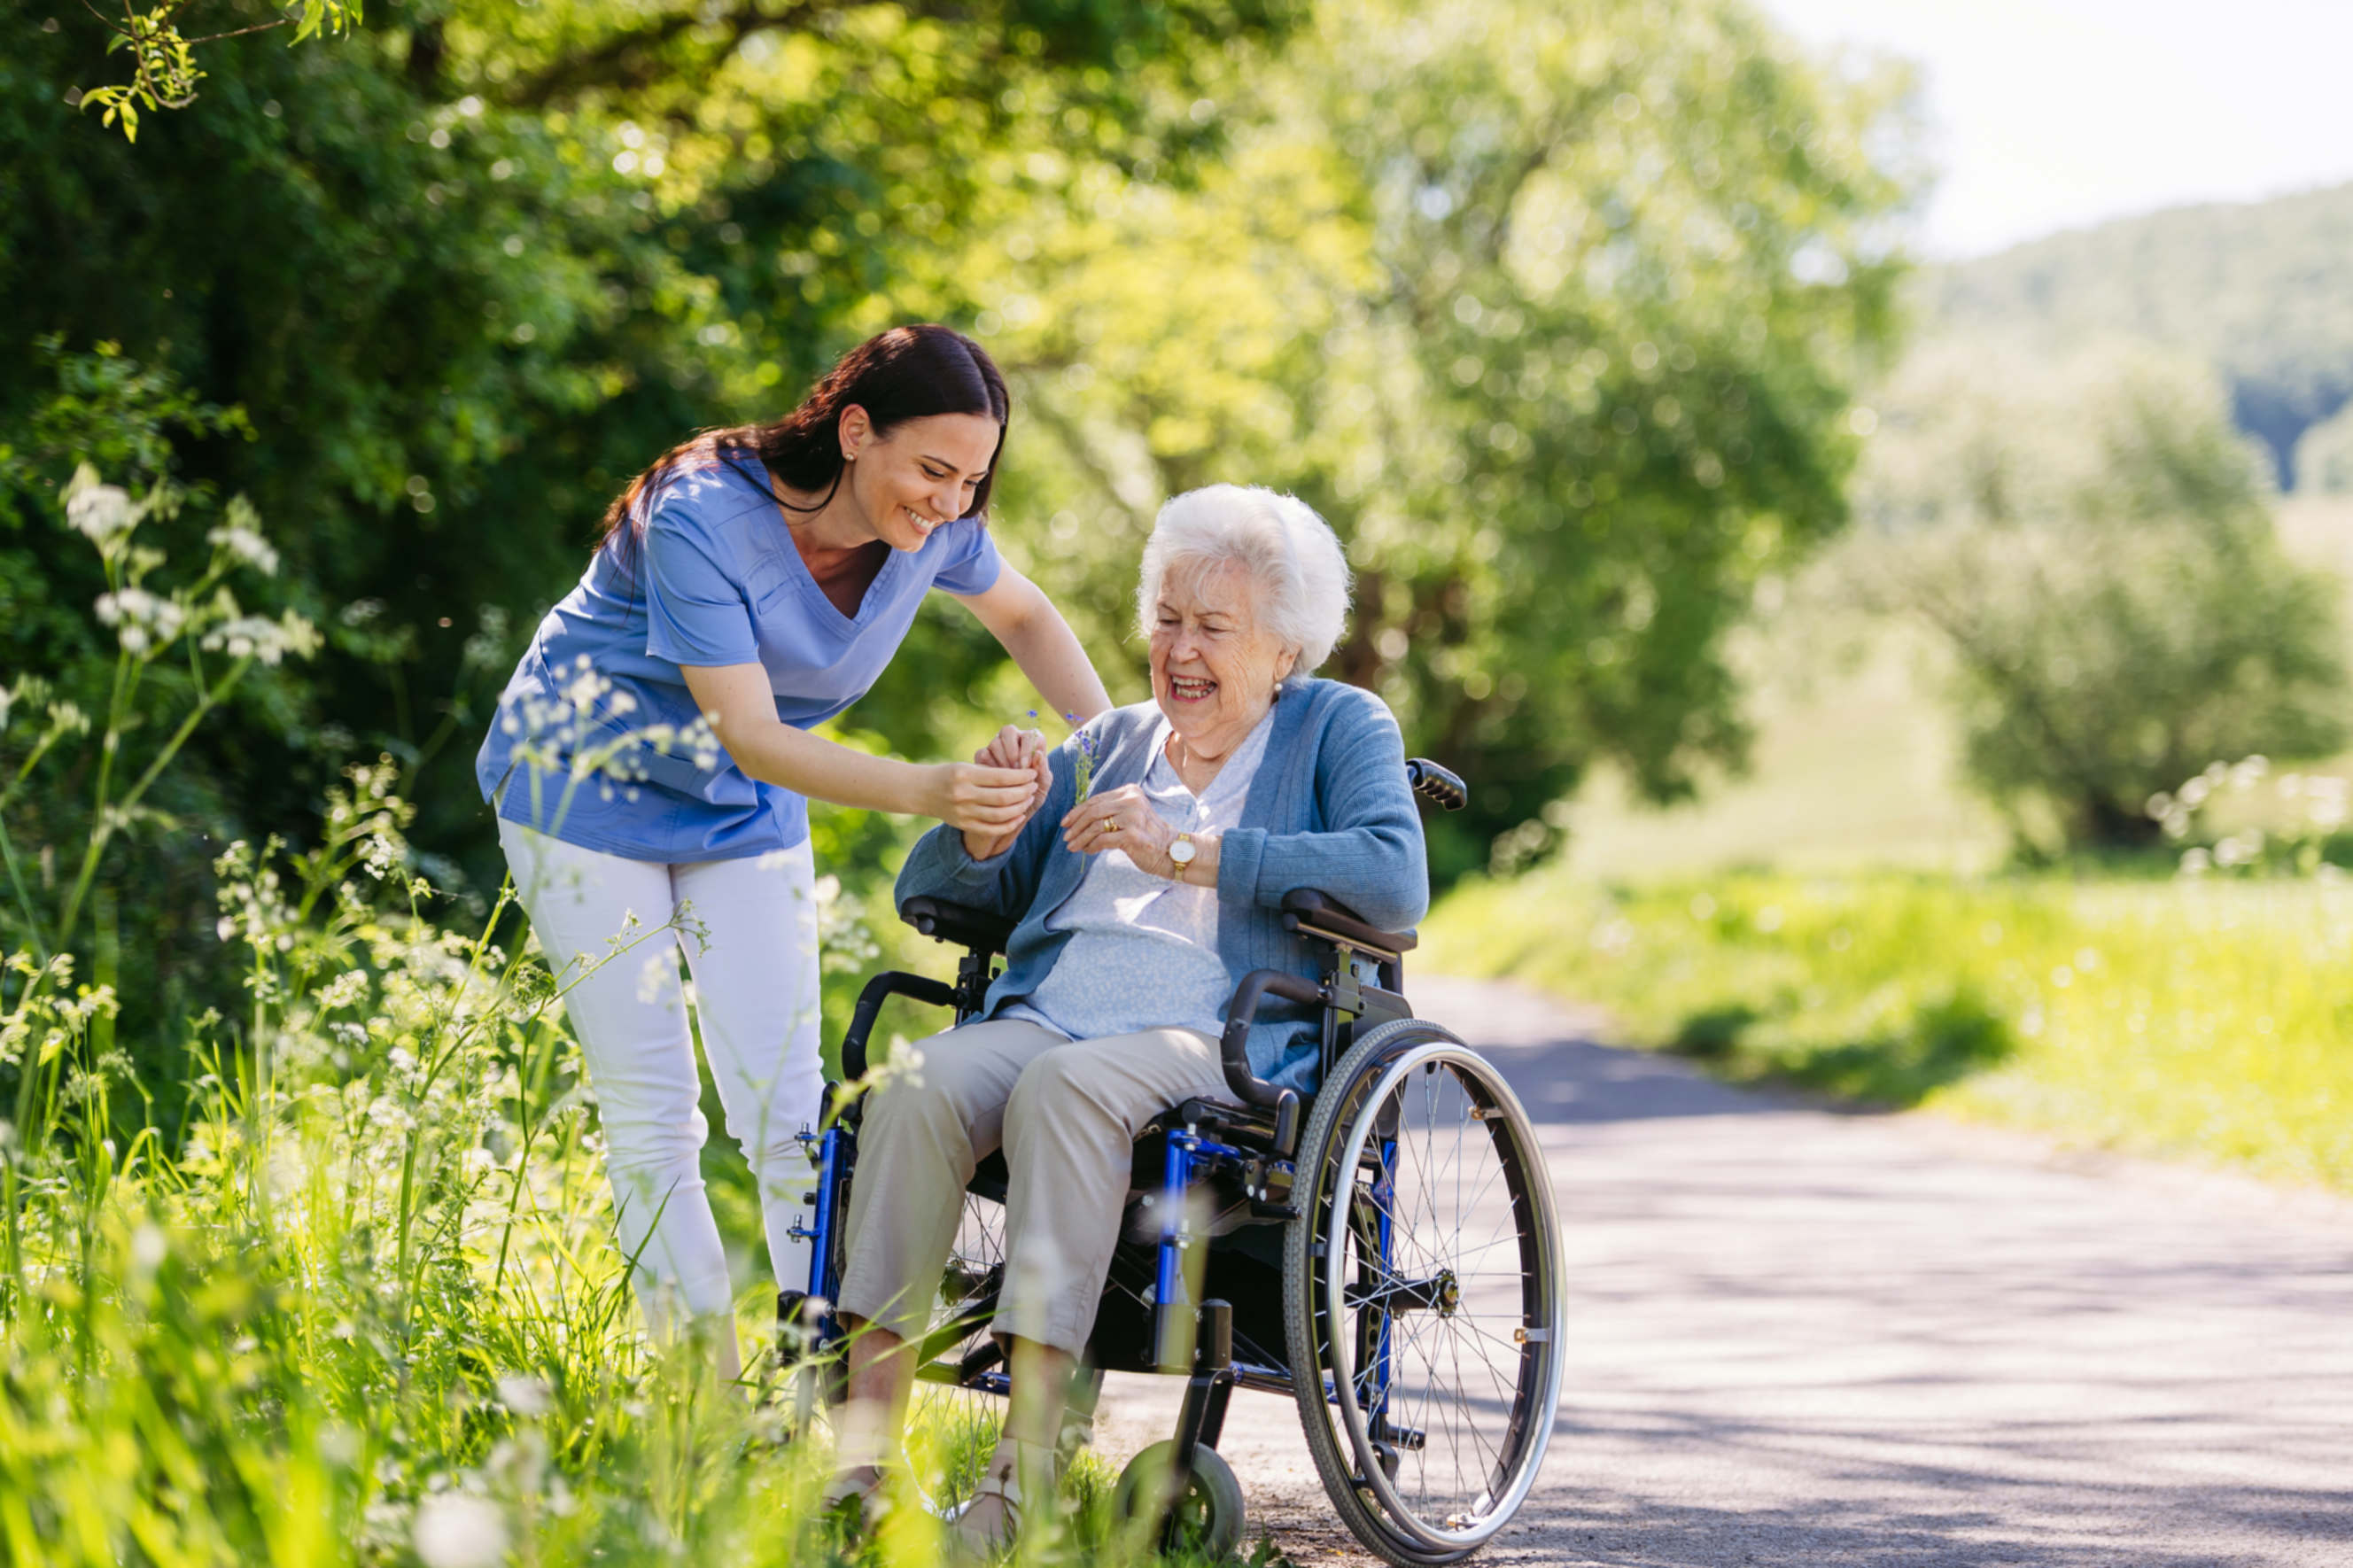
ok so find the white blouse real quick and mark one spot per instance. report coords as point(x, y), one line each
point(1143, 953)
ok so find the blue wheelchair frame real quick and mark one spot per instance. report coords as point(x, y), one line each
point(1185, 1337)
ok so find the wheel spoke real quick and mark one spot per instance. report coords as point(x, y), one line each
point(1467, 1215)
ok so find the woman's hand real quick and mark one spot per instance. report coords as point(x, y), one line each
point(1019, 749)
point(1122, 818)
point(977, 797)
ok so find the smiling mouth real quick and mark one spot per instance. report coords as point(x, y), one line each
point(918, 518)
point(1189, 690)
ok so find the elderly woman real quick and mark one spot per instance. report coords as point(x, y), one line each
point(1142, 899)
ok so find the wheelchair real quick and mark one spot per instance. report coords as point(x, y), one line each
point(1385, 1252)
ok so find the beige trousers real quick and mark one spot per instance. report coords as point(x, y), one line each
point(1066, 1113)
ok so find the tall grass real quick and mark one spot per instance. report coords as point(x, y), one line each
point(2205, 1018)
point(361, 1303)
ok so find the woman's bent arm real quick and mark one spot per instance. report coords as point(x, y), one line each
point(1019, 616)
point(742, 712)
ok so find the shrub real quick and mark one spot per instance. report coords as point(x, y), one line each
point(2094, 548)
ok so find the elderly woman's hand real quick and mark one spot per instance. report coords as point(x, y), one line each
point(1122, 818)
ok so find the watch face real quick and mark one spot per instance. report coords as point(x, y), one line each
point(1181, 852)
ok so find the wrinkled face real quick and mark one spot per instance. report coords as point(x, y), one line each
point(1214, 667)
point(923, 473)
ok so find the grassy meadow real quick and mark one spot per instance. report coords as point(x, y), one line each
point(1844, 918)
point(365, 1306)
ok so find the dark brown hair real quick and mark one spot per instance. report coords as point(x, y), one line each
point(907, 372)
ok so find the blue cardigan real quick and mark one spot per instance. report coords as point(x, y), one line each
point(1329, 809)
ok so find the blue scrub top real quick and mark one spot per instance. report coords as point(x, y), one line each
point(718, 581)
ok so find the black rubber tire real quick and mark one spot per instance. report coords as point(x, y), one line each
point(1205, 1515)
point(1336, 1108)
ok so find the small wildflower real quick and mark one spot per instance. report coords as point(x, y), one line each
point(524, 1396)
point(103, 513)
point(456, 1530)
point(1085, 743)
point(241, 537)
point(142, 620)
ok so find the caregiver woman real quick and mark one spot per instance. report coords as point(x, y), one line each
point(763, 575)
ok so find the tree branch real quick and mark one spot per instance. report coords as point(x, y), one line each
point(240, 32)
point(624, 59)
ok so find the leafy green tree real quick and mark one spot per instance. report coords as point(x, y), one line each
point(467, 268)
point(2095, 547)
point(1551, 311)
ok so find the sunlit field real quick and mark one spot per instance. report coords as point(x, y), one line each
point(2209, 1020)
point(1839, 917)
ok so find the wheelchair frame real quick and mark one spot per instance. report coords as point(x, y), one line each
point(1251, 1150)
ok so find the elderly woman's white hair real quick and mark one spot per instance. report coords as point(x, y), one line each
point(1290, 555)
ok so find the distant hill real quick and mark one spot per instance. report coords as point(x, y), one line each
point(2261, 290)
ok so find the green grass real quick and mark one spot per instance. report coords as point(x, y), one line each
point(338, 1286)
point(2209, 1020)
point(366, 1308)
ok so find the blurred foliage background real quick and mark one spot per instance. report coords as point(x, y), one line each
point(1554, 312)
point(1693, 523)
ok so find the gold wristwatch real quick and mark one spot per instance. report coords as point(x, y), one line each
point(1181, 853)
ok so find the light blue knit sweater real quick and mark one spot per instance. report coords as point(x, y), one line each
point(1330, 809)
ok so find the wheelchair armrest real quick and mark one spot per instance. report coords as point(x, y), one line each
point(961, 924)
point(1312, 913)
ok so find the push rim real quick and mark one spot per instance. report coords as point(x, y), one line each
point(1473, 1377)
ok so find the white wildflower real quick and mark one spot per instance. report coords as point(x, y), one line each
point(144, 620)
point(247, 546)
point(342, 991)
point(524, 1396)
point(255, 636)
point(454, 1529)
point(381, 855)
point(102, 512)
point(148, 1246)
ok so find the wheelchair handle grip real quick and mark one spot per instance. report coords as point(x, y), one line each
point(1234, 1050)
point(1442, 787)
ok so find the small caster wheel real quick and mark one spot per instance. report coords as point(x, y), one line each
point(1201, 1511)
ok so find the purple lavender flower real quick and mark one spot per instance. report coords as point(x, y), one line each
point(1085, 742)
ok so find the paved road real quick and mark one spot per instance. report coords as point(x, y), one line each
point(1806, 1338)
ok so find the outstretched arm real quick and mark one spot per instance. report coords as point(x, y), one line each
point(743, 714)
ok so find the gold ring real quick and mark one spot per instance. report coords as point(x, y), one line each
point(1110, 826)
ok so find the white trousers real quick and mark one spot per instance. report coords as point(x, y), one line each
point(749, 931)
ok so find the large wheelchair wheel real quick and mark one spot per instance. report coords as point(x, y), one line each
point(1421, 1295)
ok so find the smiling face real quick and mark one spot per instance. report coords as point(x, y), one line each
point(1214, 667)
point(923, 473)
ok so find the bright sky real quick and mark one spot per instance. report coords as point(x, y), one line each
point(2052, 114)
